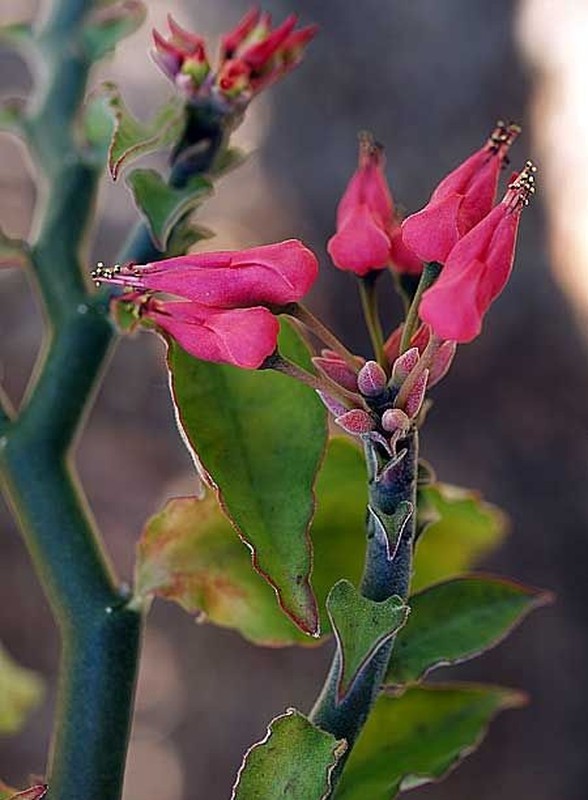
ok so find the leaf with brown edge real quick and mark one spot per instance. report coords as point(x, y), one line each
point(460, 530)
point(294, 762)
point(108, 23)
point(458, 620)
point(419, 736)
point(36, 792)
point(132, 138)
point(258, 438)
point(190, 554)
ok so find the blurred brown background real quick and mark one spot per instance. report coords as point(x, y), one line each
point(429, 78)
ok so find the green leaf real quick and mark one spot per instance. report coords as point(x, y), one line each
point(293, 762)
point(13, 252)
point(259, 438)
point(418, 737)
point(361, 627)
point(454, 621)
point(132, 138)
point(161, 205)
point(461, 530)
point(20, 691)
point(189, 553)
point(228, 159)
point(108, 23)
point(184, 235)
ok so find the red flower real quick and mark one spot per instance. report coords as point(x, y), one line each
point(461, 200)
point(272, 275)
point(368, 233)
point(243, 337)
point(251, 57)
point(478, 267)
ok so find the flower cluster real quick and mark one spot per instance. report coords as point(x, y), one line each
point(221, 306)
point(252, 56)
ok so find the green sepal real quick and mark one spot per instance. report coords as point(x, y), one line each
point(13, 252)
point(456, 621)
point(161, 205)
point(458, 529)
point(108, 23)
point(20, 691)
point(294, 762)
point(228, 159)
point(260, 449)
point(361, 627)
point(419, 736)
point(132, 138)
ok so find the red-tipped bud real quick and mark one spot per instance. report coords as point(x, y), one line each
point(231, 41)
point(461, 200)
point(371, 380)
point(355, 422)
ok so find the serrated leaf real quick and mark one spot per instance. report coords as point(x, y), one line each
point(418, 737)
point(20, 691)
point(108, 23)
point(190, 554)
point(132, 138)
point(13, 252)
point(162, 205)
point(462, 529)
point(293, 762)
point(361, 627)
point(259, 438)
point(458, 620)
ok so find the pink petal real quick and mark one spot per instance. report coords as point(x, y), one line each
point(433, 232)
point(360, 244)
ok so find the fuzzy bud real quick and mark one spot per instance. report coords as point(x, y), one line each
point(356, 422)
point(371, 380)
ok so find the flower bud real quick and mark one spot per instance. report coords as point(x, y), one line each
point(356, 422)
point(371, 380)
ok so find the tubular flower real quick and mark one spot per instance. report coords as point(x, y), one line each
point(221, 313)
point(478, 267)
point(252, 56)
point(368, 232)
point(243, 337)
point(461, 200)
point(270, 275)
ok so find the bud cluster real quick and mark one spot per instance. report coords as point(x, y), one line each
point(252, 57)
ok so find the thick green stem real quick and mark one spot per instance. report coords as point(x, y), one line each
point(388, 565)
point(429, 275)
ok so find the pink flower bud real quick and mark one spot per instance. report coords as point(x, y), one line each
point(371, 380)
point(244, 337)
point(367, 228)
point(478, 267)
point(414, 401)
point(394, 419)
point(356, 422)
point(337, 370)
point(403, 366)
point(460, 201)
point(274, 274)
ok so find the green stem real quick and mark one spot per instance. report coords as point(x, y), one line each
point(369, 305)
point(307, 318)
point(429, 275)
point(391, 489)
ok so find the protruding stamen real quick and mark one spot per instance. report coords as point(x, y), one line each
point(104, 273)
point(521, 189)
point(503, 136)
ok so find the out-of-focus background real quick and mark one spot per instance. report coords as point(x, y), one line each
point(429, 79)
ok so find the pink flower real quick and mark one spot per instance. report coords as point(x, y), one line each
point(243, 337)
point(252, 56)
point(271, 275)
point(461, 200)
point(368, 233)
point(478, 267)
